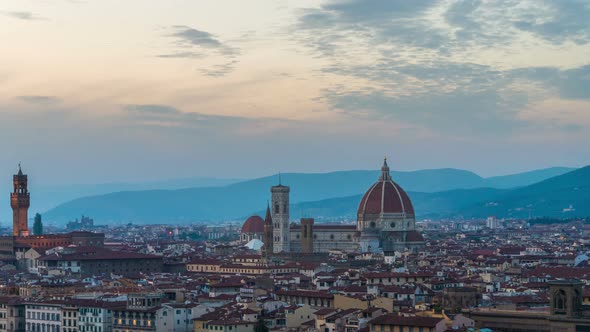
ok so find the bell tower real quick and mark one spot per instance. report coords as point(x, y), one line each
point(20, 202)
point(280, 218)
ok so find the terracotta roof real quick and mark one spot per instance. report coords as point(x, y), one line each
point(385, 196)
point(253, 224)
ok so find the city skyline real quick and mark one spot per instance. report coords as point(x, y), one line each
point(98, 92)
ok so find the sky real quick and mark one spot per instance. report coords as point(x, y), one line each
point(138, 90)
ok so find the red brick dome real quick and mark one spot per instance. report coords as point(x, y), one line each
point(253, 224)
point(385, 196)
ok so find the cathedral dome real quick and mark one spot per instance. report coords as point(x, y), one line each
point(385, 197)
point(253, 224)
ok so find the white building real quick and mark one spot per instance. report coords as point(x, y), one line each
point(43, 317)
point(492, 223)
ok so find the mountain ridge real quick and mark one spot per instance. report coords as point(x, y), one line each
point(240, 199)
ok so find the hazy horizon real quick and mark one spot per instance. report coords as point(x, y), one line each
point(34, 180)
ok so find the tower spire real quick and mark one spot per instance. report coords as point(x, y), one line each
point(268, 217)
point(385, 176)
point(268, 232)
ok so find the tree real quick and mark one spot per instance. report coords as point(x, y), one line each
point(260, 325)
point(38, 225)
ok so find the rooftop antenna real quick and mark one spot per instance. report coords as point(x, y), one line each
point(279, 178)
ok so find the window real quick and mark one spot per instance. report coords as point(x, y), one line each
point(392, 225)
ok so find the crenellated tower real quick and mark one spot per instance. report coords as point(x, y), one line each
point(20, 201)
point(280, 218)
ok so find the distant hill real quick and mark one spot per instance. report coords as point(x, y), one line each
point(563, 196)
point(525, 178)
point(240, 199)
point(435, 193)
point(47, 197)
point(427, 205)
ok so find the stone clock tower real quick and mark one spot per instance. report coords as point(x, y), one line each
point(20, 202)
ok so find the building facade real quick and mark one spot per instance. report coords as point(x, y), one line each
point(385, 223)
point(42, 316)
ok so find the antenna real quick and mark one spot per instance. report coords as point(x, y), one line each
point(279, 178)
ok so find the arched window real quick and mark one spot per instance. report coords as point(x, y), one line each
point(559, 302)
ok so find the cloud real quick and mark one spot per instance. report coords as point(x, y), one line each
point(219, 70)
point(188, 36)
point(451, 28)
point(575, 83)
point(196, 37)
point(417, 61)
point(167, 116)
point(199, 44)
point(570, 84)
point(39, 99)
point(558, 21)
point(455, 97)
point(185, 55)
point(336, 24)
point(455, 113)
point(22, 15)
point(369, 11)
